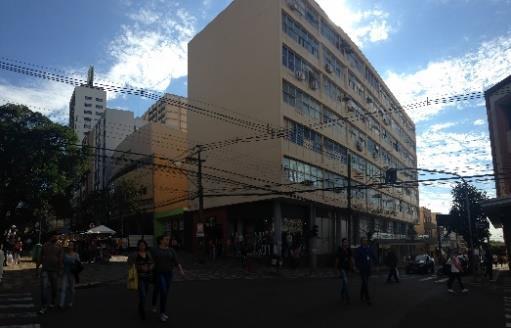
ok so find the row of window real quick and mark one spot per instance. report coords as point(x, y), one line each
point(336, 40)
point(301, 172)
point(90, 98)
point(310, 139)
point(313, 110)
point(300, 35)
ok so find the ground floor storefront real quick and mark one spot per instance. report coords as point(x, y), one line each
point(499, 213)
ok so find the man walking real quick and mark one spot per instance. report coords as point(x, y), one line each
point(456, 270)
point(363, 258)
point(391, 261)
point(344, 264)
point(51, 260)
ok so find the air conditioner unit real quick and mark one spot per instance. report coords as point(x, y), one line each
point(360, 146)
point(329, 68)
point(386, 121)
point(300, 75)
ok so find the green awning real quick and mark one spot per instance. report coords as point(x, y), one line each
point(171, 213)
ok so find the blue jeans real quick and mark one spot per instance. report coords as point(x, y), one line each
point(344, 285)
point(67, 291)
point(163, 281)
point(49, 288)
point(143, 289)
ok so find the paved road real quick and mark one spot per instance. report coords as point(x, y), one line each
point(419, 301)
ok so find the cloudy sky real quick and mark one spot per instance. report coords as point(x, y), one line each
point(422, 48)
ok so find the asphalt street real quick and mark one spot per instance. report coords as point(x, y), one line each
point(418, 301)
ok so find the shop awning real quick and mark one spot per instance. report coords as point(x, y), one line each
point(498, 210)
point(169, 214)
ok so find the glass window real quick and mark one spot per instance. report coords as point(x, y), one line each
point(301, 101)
point(99, 99)
point(87, 105)
point(331, 89)
point(99, 107)
point(332, 63)
point(299, 34)
point(88, 98)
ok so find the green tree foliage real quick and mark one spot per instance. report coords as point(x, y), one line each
point(40, 166)
point(459, 221)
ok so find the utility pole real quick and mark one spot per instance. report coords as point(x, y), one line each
point(200, 188)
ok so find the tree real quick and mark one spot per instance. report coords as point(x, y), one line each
point(40, 165)
point(459, 222)
point(125, 199)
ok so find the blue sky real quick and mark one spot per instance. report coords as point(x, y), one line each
point(420, 47)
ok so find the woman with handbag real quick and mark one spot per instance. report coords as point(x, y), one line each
point(71, 267)
point(142, 263)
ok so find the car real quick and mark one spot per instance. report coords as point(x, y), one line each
point(421, 264)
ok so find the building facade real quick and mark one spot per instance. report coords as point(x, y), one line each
point(86, 106)
point(498, 108)
point(168, 111)
point(285, 64)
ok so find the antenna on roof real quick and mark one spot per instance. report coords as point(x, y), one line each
point(90, 76)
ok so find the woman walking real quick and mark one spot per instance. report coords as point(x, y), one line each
point(344, 264)
point(71, 261)
point(165, 259)
point(144, 265)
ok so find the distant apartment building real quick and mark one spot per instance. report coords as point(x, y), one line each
point(286, 64)
point(86, 106)
point(498, 108)
point(112, 127)
point(168, 111)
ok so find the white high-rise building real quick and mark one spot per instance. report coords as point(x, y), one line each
point(86, 106)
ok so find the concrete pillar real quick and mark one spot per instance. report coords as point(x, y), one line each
point(277, 227)
point(314, 240)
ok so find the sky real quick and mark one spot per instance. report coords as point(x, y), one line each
point(421, 48)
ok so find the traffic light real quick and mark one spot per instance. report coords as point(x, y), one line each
point(391, 176)
point(314, 231)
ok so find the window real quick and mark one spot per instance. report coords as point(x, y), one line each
point(335, 151)
point(335, 182)
point(299, 34)
point(331, 89)
point(297, 171)
point(88, 98)
point(372, 79)
point(332, 63)
point(359, 166)
point(297, 64)
point(356, 62)
point(311, 15)
point(87, 112)
point(304, 136)
point(99, 107)
point(87, 105)
point(302, 102)
point(355, 84)
point(332, 36)
point(99, 113)
point(335, 122)
point(86, 126)
point(99, 99)
point(87, 119)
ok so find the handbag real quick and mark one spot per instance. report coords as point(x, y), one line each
point(132, 278)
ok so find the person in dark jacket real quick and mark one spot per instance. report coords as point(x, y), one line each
point(344, 264)
point(391, 262)
point(363, 260)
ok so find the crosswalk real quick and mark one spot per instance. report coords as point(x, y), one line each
point(18, 310)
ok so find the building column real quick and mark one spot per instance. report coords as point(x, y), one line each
point(313, 241)
point(277, 227)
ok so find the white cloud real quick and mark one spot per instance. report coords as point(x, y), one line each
point(474, 71)
point(479, 122)
point(48, 98)
point(152, 51)
point(362, 26)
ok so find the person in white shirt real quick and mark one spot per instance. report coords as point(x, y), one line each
point(456, 270)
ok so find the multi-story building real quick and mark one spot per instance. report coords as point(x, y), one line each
point(498, 108)
point(111, 128)
point(86, 106)
point(285, 64)
point(168, 111)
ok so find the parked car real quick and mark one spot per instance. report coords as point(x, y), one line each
point(421, 264)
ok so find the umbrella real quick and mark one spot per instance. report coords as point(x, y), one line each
point(101, 230)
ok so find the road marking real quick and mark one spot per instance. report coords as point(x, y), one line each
point(35, 325)
point(17, 306)
point(441, 281)
point(428, 278)
point(21, 315)
point(16, 299)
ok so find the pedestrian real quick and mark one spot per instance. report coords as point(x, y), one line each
point(344, 264)
point(391, 262)
point(51, 263)
point(71, 267)
point(17, 249)
point(363, 258)
point(488, 263)
point(165, 259)
point(2, 258)
point(144, 264)
point(455, 274)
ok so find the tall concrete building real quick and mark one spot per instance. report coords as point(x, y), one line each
point(167, 111)
point(286, 64)
point(86, 106)
point(498, 108)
